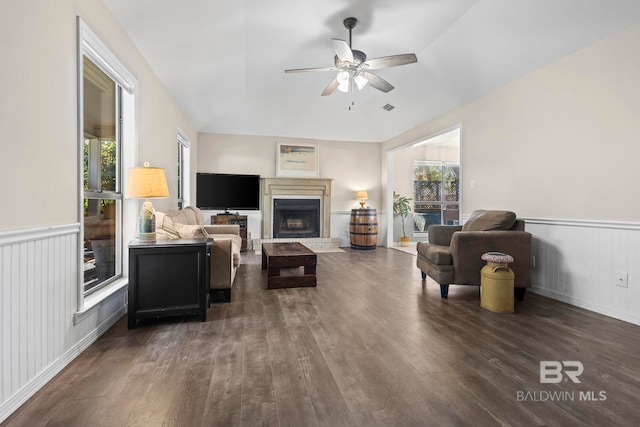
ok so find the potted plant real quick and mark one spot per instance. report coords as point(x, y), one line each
point(402, 207)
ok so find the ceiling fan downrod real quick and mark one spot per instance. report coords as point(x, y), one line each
point(349, 24)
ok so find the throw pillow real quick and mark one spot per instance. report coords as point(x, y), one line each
point(165, 226)
point(482, 220)
point(190, 231)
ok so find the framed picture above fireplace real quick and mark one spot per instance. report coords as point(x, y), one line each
point(297, 160)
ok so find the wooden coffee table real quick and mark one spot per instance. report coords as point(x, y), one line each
point(288, 256)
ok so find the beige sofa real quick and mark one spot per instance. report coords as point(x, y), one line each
point(225, 250)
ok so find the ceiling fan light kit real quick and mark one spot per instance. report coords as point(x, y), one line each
point(352, 67)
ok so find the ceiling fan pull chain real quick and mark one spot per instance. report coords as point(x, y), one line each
point(352, 93)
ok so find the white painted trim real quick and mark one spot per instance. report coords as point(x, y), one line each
point(101, 55)
point(389, 196)
point(619, 225)
point(183, 138)
point(25, 235)
point(40, 380)
point(94, 301)
point(578, 302)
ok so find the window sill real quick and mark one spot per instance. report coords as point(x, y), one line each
point(94, 301)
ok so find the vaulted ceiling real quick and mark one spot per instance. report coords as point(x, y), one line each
point(224, 61)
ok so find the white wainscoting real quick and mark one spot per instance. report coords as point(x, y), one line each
point(38, 299)
point(577, 261)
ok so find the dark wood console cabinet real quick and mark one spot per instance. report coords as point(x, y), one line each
point(168, 278)
point(240, 220)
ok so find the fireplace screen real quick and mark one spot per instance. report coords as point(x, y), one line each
point(296, 218)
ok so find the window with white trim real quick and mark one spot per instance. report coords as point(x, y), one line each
point(436, 195)
point(105, 109)
point(184, 145)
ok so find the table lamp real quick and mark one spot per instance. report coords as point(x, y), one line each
point(362, 196)
point(144, 183)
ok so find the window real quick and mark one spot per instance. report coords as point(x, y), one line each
point(183, 170)
point(436, 195)
point(102, 203)
point(105, 109)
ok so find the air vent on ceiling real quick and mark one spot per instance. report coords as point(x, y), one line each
point(388, 107)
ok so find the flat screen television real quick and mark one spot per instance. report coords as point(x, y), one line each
point(221, 191)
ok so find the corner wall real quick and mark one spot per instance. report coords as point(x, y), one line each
point(559, 147)
point(40, 228)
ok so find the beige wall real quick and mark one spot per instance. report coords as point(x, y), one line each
point(562, 142)
point(40, 185)
point(38, 137)
point(352, 165)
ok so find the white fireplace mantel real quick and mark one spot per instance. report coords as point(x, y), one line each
point(298, 187)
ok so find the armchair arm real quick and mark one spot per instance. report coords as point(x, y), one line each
point(441, 234)
point(223, 229)
point(468, 246)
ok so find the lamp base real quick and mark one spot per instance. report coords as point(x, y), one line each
point(147, 219)
point(147, 237)
point(362, 203)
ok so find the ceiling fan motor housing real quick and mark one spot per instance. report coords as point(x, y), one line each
point(358, 58)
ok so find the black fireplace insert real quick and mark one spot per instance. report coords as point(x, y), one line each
point(296, 218)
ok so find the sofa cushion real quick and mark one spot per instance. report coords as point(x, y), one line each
point(482, 220)
point(192, 215)
point(436, 254)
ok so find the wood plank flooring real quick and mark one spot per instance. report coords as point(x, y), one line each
point(372, 345)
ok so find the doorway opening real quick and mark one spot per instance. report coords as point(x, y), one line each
point(429, 172)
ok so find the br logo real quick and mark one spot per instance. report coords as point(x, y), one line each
point(553, 371)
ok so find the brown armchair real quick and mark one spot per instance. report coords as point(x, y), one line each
point(453, 253)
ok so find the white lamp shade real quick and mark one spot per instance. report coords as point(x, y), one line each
point(362, 195)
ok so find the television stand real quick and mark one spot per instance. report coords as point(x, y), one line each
point(231, 219)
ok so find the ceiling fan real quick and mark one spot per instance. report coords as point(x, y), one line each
point(353, 67)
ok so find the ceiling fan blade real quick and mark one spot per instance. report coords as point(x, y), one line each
point(331, 87)
point(343, 50)
point(377, 82)
point(391, 61)
point(304, 70)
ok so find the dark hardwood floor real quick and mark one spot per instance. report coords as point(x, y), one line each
point(372, 345)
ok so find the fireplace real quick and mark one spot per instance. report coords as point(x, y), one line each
point(296, 218)
point(318, 189)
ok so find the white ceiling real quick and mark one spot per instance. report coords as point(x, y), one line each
point(224, 61)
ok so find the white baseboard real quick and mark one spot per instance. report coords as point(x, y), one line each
point(33, 386)
point(578, 302)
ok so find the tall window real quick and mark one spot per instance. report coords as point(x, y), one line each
point(101, 174)
point(436, 195)
point(105, 109)
point(183, 169)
